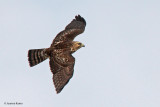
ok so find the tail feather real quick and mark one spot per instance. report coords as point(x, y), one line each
point(35, 56)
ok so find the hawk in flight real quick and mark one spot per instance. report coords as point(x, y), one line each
point(60, 53)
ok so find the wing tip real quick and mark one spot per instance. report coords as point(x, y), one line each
point(79, 18)
point(58, 91)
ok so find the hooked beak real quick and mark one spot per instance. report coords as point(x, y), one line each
point(82, 45)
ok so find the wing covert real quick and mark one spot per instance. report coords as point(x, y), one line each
point(62, 71)
point(76, 27)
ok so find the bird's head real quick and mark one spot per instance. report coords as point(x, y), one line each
point(76, 45)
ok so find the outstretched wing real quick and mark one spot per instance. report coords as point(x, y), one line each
point(76, 27)
point(62, 67)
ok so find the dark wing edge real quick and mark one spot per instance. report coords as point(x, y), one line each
point(77, 23)
point(61, 74)
point(76, 27)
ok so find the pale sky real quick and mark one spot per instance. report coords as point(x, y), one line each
point(119, 67)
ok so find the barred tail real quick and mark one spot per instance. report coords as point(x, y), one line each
point(35, 56)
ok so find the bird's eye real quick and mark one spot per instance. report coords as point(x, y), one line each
point(79, 43)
